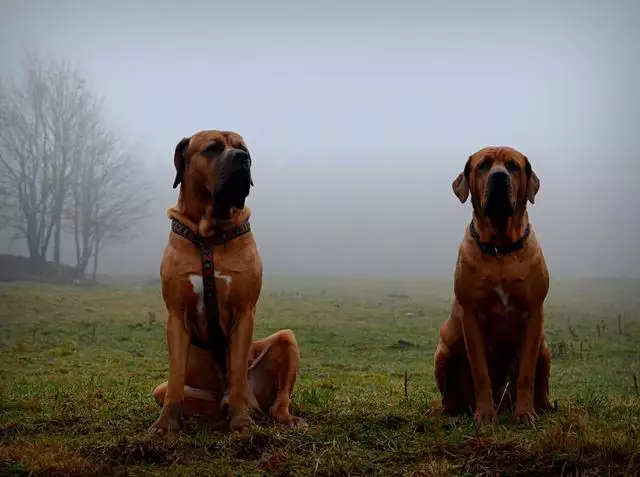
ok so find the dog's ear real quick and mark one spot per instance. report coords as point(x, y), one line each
point(533, 183)
point(461, 183)
point(179, 160)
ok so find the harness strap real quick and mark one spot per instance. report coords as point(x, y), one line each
point(217, 342)
point(217, 339)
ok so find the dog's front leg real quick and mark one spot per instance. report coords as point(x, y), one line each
point(477, 353)
point(541, 385)
point(529, 353)
point(178, 339)
point(238, 371)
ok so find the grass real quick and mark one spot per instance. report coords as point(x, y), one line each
point(77, 366)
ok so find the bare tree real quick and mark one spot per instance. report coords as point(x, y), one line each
point(122, 204)
point(79, 209)
point(61, 169)
point(109, 197)
point(41, 124)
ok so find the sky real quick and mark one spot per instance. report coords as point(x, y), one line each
point(359, 115)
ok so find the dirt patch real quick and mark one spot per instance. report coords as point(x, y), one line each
point(125, 452)
point(403, 344)
point(254, 447)
point(393, 422)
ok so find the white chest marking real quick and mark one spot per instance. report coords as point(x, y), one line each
point(226, 278)
point(504, 298)
point(198, 287)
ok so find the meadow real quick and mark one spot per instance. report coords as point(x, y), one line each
point(77, 366)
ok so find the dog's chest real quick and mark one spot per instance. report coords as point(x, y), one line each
point(224, 283)
point(502, 316)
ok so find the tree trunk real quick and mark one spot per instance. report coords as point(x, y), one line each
point(94, 274)
point(57, 239)
point(33, 244)
point(82, 265)
point(36, 259)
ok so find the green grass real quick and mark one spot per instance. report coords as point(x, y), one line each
point(77, 366)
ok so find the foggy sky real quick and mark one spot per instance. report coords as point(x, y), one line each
point(360, 115)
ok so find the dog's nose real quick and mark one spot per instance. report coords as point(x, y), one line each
point(240, 157)
point(499, 178)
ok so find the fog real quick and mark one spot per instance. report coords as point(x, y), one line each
point(359, 117)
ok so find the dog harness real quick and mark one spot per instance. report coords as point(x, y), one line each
point(217, 342)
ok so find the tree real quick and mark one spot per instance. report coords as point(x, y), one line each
point(109, 197)
point(62, 171)
point(121, 205)
point(41, 125)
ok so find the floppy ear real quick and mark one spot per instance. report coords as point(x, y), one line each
point(461, 183)
point(179, 160)
point(533, 183)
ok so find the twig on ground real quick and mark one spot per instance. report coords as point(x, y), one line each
point(406, 391)
point(506, 387)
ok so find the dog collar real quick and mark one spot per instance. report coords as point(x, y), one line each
point(218, 238)
point(494, 250)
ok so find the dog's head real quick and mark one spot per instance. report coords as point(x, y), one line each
point(214, 166)
point(500, 181)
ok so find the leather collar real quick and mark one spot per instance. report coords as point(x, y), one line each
point(218, 238)
point(494, 250)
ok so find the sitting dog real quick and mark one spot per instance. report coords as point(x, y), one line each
point(211, 276)
point(492, 347)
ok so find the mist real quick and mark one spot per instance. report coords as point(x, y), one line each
point(359, 118)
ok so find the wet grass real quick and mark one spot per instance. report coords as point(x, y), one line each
point(77, 366)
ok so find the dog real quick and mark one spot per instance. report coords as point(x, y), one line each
point(492, 347)
point(211, 275)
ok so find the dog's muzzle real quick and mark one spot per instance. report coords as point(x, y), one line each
point(233, 179)
point(236, 160)
point(499, 195)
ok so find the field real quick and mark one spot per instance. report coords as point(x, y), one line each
point(77, 365)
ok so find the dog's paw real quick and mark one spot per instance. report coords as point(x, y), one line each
point(169, 421)
point(297, 423)
point(241, 424)
point(525, 415)
point(544, 405)
point(484, 415)
point(164, 426)
point(293, 422)
point(449, 407)
point(280, 414)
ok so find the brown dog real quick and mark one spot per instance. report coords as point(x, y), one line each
point(494, 338)
point(214, 364)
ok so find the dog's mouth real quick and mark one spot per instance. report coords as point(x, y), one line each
point(498, 197)
point(232, 188)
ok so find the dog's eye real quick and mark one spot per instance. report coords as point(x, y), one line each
point(512, 166)
point(484, 165)
point(213, 148)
